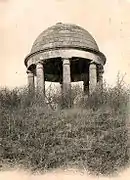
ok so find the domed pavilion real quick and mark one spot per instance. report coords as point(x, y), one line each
point(65, 53)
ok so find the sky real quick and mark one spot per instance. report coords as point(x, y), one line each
point(21, 21)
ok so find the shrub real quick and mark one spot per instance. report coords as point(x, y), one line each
point(37, 136)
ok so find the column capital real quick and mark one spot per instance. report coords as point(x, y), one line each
point(92, 62)
point(39, 65)
point(93, 65)
point(100, 69)
point(29, 71)
point(39, 62)
point(66, 61)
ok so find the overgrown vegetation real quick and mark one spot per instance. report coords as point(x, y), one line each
point(92, 135)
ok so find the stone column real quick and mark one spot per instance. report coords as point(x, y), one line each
point(92, 76)
point(40, 78)
point(100, 76)
point(31, 85)
point(66, 86)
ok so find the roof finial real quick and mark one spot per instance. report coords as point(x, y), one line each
point(59, 23)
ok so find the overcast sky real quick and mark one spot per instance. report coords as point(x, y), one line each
point(21, 21)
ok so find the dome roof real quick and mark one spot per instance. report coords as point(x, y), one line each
point(64, 35)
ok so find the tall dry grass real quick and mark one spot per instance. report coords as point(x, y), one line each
point(41, 136)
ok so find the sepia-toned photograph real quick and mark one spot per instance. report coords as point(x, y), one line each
point(65, 89)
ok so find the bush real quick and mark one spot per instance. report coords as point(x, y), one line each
point(37, 136)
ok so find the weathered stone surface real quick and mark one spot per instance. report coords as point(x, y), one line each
point(66, 86)
point(65, 53)
point(61, 35)
point(31, 85)
point(66, 50)
point(40, 78)
point(100, 76)
point(92, 76)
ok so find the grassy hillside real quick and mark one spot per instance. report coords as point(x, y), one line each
point(92, 135)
